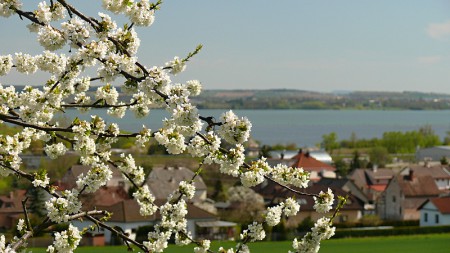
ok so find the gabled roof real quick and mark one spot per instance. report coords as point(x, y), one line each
point(368, 178)
point(69, 179)
point(105, 196)
point(309, 163)
point(163, 181)
point(275, 193)
point(441, 203)
point(344, 184)
point(437, 171)
point(418, 186)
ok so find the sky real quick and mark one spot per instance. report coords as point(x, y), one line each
point(291, 44)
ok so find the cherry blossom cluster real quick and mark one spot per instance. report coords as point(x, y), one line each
point(310, 243)
point(108, 50)
point(65, 241)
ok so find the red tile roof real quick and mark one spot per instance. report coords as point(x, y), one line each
point(309, 163)
point(442, 204)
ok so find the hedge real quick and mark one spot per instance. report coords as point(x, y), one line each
point(341, 233)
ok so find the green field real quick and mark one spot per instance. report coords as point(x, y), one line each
point(435, 243)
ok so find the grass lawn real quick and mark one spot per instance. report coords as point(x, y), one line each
point(434, 243)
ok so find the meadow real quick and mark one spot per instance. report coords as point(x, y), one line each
point(431, 243)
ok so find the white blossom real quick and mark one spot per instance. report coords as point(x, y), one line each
point(96, 177)
point(172, 140)
point(7, 7)
point(273, 215)
point(255, 174)
point(145, 200)
point(66, 241)
point(255, 232)
point(108, 93)
point(51, 62)
point(43, 13)
point(59, 209)
point(55, 150)
point(176, 66)
point(291, 207)
point(287, 175)
point(41, 180)
point(3, 247)
point(50, 38)
point(76, 31)
point(140, 13)
point(324, 202)
point(233, 129)
point(25, 63)
point(194, 87)
point(6, 63)
point(204, 246)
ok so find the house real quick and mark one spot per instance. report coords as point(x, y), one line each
point(320, 155)
point(349, 187)
point(372, 182)
point(435, 212)
point(273, 194)
point(68, 181)
point(11, 208)
point(125, 214)
point(317, 168)
point(163, 181)
point(433, 153)
point(404, 195)
point(440, 174)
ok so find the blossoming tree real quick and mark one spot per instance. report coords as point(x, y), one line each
point(99, 43)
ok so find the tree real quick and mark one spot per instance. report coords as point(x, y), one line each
point(329, 142)
point(98, 45)
point(379, 156)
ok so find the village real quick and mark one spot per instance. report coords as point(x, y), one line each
point(413, 193)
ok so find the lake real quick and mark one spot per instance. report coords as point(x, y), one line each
point(305, 127)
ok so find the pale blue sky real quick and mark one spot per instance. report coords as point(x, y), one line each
point(310, 45)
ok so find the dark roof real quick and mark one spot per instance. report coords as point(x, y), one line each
point(275, 193)
point(105, 196)
point(367, 177)
point(437, 171)
point(345, 184)
point(69, 179)
point(163, 181)
point(418, 186)
point(309, 163)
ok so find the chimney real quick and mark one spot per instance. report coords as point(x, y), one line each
point(411, 175)
point(375, 168)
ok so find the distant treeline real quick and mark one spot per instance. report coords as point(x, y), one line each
point(394, 142)
point(298, 99)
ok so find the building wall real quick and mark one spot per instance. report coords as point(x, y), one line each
point(430, 216)
point(127, 227)
point(392, 199)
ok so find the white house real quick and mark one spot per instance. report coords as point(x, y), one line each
point(435, 212)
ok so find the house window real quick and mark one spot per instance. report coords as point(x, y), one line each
point(393, 199)
point(425, 217)
point(436, 218)
point(343, 218)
